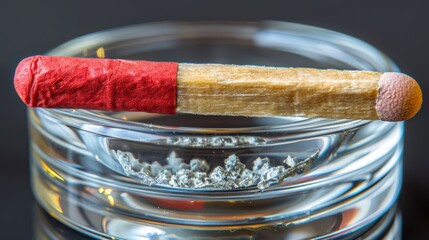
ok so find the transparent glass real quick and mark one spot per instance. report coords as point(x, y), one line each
point(346, 186)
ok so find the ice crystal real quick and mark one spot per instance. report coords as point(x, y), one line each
point(198, 173)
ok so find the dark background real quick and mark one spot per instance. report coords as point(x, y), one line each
point(398, 28)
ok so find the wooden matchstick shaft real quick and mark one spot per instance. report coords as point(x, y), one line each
point(215, 89)
point(260, 91)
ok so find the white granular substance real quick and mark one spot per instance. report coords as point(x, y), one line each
point(232, 175)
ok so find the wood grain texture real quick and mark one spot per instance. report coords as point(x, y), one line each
point(215, 89)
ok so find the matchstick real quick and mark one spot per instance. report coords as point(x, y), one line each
point(215, 89)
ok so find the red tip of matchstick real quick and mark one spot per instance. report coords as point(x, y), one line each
point(97, 84)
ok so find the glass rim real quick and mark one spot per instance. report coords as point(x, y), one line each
point(80, 117)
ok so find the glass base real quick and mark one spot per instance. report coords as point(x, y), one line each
point(48, 228)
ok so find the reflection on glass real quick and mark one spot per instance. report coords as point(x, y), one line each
point(107, 192)
point(100, 52)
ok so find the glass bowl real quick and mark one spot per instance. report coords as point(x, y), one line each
point(131, 175)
